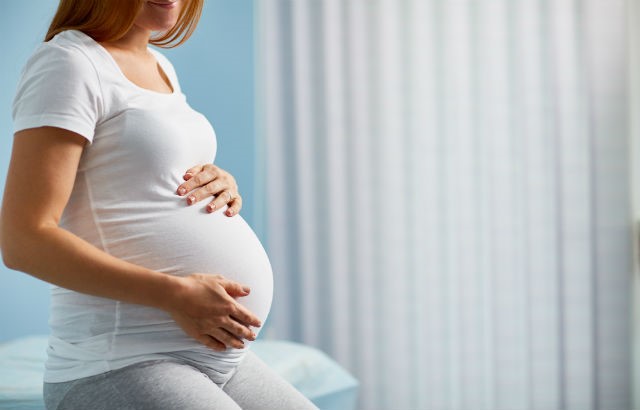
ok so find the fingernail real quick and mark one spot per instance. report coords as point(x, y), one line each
point(181, 191)
point(211, 207)
point(187, 175)
point(229, 213)
point(246, 289)
point(191, 199)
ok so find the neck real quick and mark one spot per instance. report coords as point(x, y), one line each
point(136, 40)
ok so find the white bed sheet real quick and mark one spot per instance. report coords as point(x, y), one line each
point(311, 371)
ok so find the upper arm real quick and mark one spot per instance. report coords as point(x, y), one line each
point(42, 171)
point(57, 106)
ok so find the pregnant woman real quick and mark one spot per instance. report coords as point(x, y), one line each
point(111, 196)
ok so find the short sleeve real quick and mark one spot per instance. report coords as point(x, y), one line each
point(59, 87)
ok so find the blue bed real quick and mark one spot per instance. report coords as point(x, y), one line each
point(312, 372)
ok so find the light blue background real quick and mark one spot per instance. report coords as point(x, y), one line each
point(215, 68)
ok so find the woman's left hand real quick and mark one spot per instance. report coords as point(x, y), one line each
point(208, 180)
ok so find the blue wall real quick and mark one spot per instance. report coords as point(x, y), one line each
point(215, 68)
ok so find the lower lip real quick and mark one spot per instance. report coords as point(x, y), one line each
point(165, 5)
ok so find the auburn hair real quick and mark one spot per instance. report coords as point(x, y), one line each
point(110, 20)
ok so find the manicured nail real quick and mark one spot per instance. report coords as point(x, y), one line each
point(211, 207)
point(191, 199)
point(182, 191)
point(187, 175)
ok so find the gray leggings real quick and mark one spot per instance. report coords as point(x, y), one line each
point(173, 384)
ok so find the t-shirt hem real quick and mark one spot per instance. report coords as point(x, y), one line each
point(66, 123)
point(95, 368)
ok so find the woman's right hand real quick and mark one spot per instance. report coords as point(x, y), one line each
point(203, 305)
point(206, 309)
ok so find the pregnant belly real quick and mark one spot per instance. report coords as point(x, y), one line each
point(177, 241)
point(186, 240)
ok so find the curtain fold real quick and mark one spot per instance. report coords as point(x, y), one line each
point(447, 198)
point(633, 16)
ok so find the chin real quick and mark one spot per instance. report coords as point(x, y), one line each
point(164, 27)
point(157, 18)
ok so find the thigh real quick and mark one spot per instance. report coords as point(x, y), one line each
point(152, 385)
point(255, 386)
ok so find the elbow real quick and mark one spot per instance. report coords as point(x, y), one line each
point(9, 254)
point(8, 257)
point(19, 238)
point(19, 243)
point(9, 246)
point(8, 261)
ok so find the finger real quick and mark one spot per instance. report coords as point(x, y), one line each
point(235, 289)
point(205, 192)
point(201, 178)
point(228, 339)
point(234, 206)
point(221, 199)
point(192, 171)
point(243, 315)
point(239, 330)
point(212, 343)
point(210, 166)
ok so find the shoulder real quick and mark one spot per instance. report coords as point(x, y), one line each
point(67, 54)
point(59, 87)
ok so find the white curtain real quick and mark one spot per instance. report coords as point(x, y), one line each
point(446, 186)
point(633, 18)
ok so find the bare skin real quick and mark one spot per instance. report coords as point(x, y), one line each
point(203, 304)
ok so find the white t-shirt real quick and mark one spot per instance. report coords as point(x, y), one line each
point(124, 202)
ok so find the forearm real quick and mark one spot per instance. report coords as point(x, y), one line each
point(59, 257)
